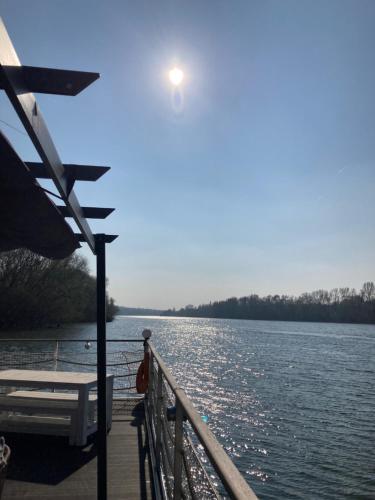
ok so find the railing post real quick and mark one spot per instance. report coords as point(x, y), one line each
point(178, 444)
point(150, 388)
point(56, 354)
point(146, 334)
point(159, 402)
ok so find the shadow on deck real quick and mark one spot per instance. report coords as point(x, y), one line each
point(46, 467)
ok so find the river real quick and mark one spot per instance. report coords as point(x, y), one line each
point(292, 403)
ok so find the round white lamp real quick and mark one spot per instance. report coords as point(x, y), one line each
point(146, 334)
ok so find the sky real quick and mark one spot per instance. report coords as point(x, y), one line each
point(258, 179)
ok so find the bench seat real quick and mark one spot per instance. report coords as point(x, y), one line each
point(35, 406)
point(37, 409)
point(66, 397)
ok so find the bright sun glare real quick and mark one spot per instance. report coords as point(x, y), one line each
point(176, 76)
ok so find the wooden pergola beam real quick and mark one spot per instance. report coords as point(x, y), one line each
point(76, 172)
point(88, 212)
point(30, 115)
point(53, 81)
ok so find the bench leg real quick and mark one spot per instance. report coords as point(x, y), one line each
point(8, 413)
point(73, 429)
point(92, 407)
point(82, 416)
point(109, 402)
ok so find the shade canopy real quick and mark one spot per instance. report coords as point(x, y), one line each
point(28, 218)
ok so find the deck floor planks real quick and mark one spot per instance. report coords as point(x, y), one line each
point(46, 468)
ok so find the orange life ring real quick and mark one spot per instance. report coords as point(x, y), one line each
point(141, 381)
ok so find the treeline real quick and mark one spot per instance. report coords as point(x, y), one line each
point(37, 292)
point(340, 305)
point(138, 311)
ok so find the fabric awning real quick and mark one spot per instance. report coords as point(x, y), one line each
point(28, 218)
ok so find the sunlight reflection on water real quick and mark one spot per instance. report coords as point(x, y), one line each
point(292, 403)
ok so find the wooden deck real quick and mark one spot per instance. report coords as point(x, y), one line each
point(47, 468)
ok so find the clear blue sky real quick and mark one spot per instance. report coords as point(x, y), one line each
point(263, 183)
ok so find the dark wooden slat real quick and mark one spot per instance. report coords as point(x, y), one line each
point(88, 212)
point(53, 81)
point(76, 172)
point(108, 237)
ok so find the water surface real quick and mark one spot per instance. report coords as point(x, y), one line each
point(292, 403)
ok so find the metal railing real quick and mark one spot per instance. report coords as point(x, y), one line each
point(123, 358)
point(176, 432)
point(188, 462)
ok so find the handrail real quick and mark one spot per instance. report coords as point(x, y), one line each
point(232, 479)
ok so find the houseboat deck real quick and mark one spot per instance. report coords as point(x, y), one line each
point(47, 468)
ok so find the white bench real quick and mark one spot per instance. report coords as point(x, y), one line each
point(75, 422)
point(47, 412)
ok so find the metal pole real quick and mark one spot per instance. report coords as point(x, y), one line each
point(159, 402)
point(56, 355)
point(178, 444)
point(150, 389)
point(101, 367)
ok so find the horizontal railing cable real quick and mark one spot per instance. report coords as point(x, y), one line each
point(37, 353)
point(60, 360)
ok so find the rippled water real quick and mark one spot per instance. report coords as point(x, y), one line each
point(292, 403)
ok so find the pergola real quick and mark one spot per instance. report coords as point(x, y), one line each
point(30, 219)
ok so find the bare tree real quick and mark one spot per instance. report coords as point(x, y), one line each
point(368, 291)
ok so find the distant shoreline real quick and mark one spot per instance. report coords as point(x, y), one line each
point(164, 316)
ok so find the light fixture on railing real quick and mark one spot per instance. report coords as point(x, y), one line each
point(146, 334)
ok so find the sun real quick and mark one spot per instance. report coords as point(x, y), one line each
point(176, 76)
